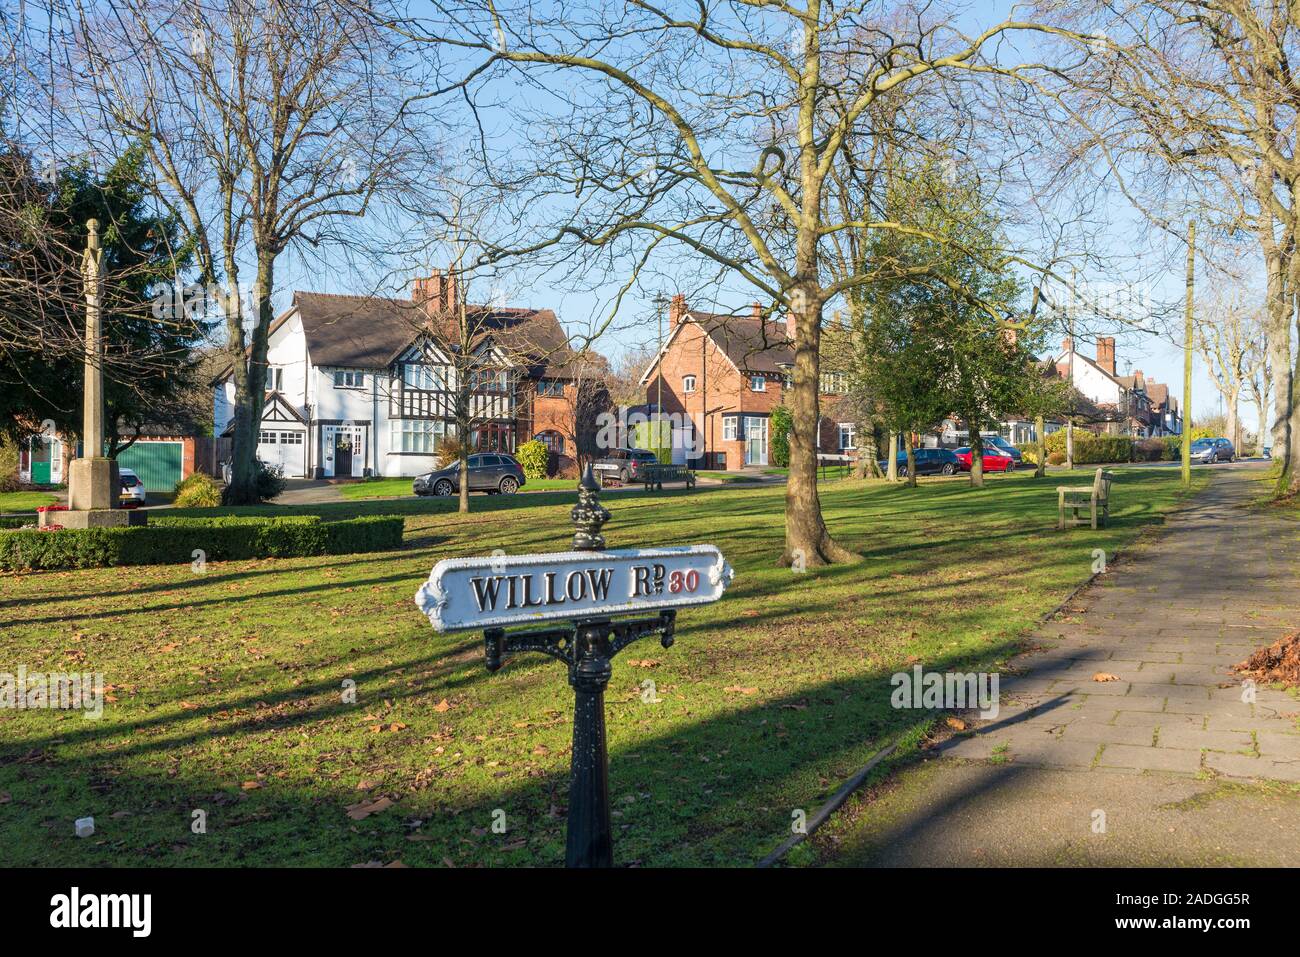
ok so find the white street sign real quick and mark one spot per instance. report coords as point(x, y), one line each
point(522, 589)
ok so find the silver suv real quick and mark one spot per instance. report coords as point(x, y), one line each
point(1207, 451)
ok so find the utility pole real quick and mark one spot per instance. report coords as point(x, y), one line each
point(1069, 420)
point(1187, 354)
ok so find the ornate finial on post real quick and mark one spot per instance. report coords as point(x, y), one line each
point(589, 515)
point(92, 226)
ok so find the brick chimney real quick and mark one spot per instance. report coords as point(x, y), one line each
point(677, 309)
point(1106, 353)
point(439, 291)
point(1067, 344)
point(756, 310)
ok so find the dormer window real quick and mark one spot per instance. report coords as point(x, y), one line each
point(688, 383)
point(757, 383)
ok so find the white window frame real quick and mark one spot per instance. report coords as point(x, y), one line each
point(688, 383)
point(349, 379)
point(757, 383)
point(730, 428)
point(851, 430)
point(415, 436)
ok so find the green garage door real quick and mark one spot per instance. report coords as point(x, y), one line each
point(157, 463)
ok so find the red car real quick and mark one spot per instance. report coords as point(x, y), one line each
point(994, 460)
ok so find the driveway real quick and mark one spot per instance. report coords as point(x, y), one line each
point(1124, 738)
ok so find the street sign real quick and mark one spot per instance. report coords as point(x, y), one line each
point(524, 589)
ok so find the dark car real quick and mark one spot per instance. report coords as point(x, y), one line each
point(490, 472)
point(928, 462)
point(1002, 445)
point(623, 464)
point(1207, 451)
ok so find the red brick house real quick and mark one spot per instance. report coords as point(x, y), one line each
point(723, 375)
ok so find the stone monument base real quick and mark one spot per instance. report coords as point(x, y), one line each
point(95, 518)
point(93, 484)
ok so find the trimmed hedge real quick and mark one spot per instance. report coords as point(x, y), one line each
point(166, 541)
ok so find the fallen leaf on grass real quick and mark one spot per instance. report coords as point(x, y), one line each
point(251, 785)
point(188, 706)
point(644, 663)
point(737, 689)
point(1105, 676)
point(442, 706)
point(363, 809)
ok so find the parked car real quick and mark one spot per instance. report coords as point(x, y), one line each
point(995, 460)
point(132, 493)
point(490, 472)
point(622, 464)
point(1002, 445)
point(1208, 451)
point(928, 462)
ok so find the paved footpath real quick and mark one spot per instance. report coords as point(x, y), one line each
point(1166, 765)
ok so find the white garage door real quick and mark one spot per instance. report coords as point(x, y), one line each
point(283, 449)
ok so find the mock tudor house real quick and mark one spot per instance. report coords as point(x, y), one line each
point(1126, 405)
point(365, 386)
point(724, 374)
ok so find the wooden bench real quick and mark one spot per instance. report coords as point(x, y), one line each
point(654, 476)
point(1075, 498)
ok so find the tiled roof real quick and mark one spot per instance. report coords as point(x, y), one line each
point(752, 344)
point(369, 332)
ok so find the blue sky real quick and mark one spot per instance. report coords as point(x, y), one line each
point(1158, 356)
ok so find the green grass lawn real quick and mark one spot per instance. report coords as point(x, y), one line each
point(227, 687)
point(25, 501)
point(401, 488)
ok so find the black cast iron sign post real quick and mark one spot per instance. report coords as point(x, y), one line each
point(587, 579)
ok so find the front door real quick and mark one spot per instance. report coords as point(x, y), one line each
point(343, 443)
point(755, 440)
point(42, 450)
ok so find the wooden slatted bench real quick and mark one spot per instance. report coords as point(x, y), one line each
point(654, 476)
point(1076, 498)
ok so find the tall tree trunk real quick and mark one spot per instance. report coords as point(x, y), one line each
point(868, 454)
point(976, 455)
point(1278, 331)
point(911, 458)
point(891, 466)
point(249, 364)
point(807, 541)
point(463, 428)
point(1233, 425)
point(1040, 430)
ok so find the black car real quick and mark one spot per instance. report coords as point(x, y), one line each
point(928, 462)
point(490, 472)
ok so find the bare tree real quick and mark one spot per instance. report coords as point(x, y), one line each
point(1193, 110)
point(1230, 338)
point(269, 125)
point(706, 129)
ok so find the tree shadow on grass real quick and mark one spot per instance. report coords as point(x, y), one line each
point(716, 791)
